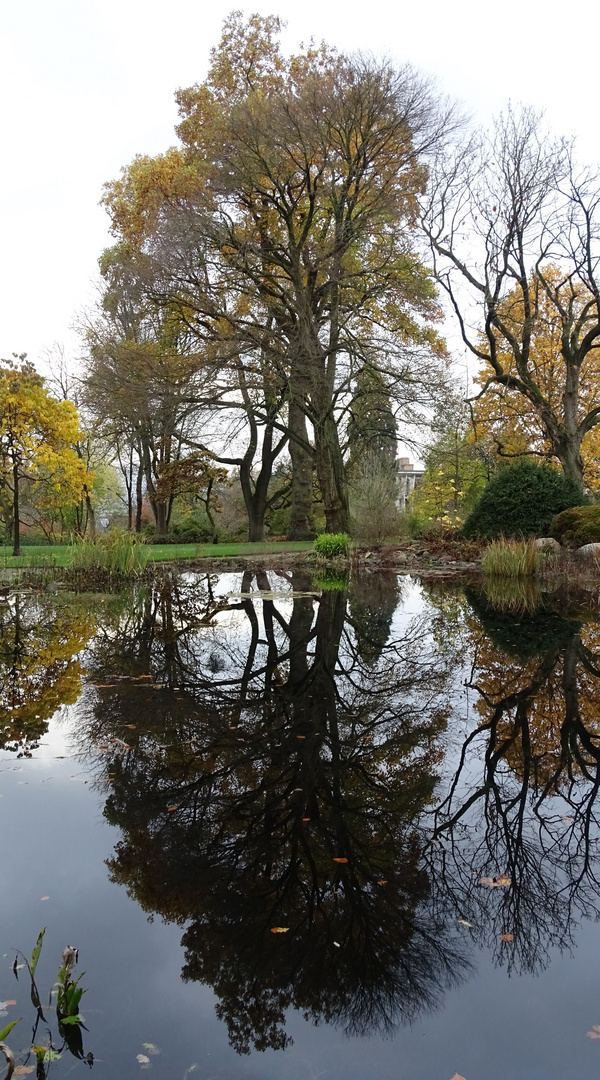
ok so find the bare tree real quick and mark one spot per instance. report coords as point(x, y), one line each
point(514, 226)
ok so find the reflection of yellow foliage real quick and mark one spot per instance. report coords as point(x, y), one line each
point(39, 668)
point(543, 703)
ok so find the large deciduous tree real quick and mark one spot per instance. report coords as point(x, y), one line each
point(515, 232)
point(282, 228)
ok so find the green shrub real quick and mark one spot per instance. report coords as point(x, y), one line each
point(578, 526)
point(520, 501)
point(511, 558)
point(192, 530)
point(332, 545)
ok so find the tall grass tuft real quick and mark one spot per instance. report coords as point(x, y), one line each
point(511, 559)
point(120, 553)
point(332, 545)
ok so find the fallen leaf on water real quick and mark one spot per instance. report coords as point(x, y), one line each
point(457, 1076)
point(44, 897)
point(464, 922)
point(340, 860)
point(131, 725)
point(22, 1070)
point(594, 1033)
point(495, 883)
point(143, 1059)
point(508, 937)
point(300, 736)
point(279, 929)
point(171, 807)
point(151, 1048)
point(337, 944)
point(306, 819)
point(502, 879)
point(382, 882)
point(3, 1004)
point(568, 819)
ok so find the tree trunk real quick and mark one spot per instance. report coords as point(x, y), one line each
point(301, 522)
point(569, 455)
point(139, 495)
point(16, 521)
point(331, 474)
point(160, 511)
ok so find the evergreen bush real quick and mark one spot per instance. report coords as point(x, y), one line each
point(520, 501)
point(578, 526)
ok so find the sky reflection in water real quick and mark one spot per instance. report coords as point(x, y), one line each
point(314, 763)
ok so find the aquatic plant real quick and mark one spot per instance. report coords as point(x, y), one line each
point(70, 1023)
point(120, 553)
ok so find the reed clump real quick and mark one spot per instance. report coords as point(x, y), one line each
point(511, 559)
point(117, 555)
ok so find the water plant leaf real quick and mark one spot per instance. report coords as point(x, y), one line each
point(6, 1031)
point(37, 947)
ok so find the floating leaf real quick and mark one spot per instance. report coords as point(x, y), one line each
point(382, 882)
point(171, 807)
point(306, 819)
point(143, 1059)
point(279, 929)
point(508, 937)
point(340, 860)
point(3, 1004)
point(495, 883)
point(457, 1076)
point(43, 898)
point(464, 922)
point(22, 1070)
point(151, 1048)
point(337, 944)
point(502, 879)
point(595, 1032)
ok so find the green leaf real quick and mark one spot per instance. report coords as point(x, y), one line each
point(7, 1029)
point(72, 1020)
point(36, 952)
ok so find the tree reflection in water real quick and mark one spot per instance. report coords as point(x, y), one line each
point(291, 767)
point(40, 670)
point(276, 780)
point(522, 798)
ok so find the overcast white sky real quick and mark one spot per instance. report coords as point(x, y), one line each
point(86, 84)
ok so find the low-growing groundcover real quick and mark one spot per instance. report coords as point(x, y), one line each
point(578, 526)
point(520, 501)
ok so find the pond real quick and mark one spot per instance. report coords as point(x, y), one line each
point(299, 830)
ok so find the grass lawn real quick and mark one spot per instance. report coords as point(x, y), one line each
point(60, 554)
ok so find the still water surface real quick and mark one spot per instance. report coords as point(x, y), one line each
point(187, 768)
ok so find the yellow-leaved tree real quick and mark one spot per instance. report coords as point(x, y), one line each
point(38, 436)
point(512, 423)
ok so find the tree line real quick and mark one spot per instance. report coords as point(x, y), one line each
point(270, 309)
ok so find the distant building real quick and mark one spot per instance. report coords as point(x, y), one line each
point(408, 479)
